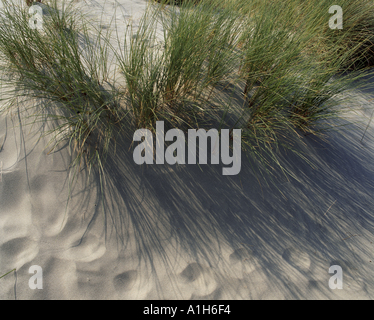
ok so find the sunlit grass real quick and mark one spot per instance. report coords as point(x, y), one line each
point(64, 68)
point(280, 57)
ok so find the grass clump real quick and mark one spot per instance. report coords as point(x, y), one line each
point(64, 67)
point(166, 74)
point(356, 36)
point(141, 66)
point(289, 83)
point(288, 66)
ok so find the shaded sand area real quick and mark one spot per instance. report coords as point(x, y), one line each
point(184, 231)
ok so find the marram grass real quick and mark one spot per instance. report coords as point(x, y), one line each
point(167, 75)
point(280, 56)
point(68, 80)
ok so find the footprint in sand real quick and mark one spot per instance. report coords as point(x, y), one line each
point(242, 260)
point(200, 278)
point(124, 282)
point(297, 258)
point(48, 214)
point(132, 285)
point(17, 252)
point(89, 249)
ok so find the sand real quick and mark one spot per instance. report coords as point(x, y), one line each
point(187, 232)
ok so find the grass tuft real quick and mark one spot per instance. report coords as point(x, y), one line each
point(64, 68)
point(290, 69)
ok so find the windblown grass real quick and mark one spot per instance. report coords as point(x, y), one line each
point(290, 83)
point(289, 67)
point(357, 35)
point(167, 74)
point(64, 67)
